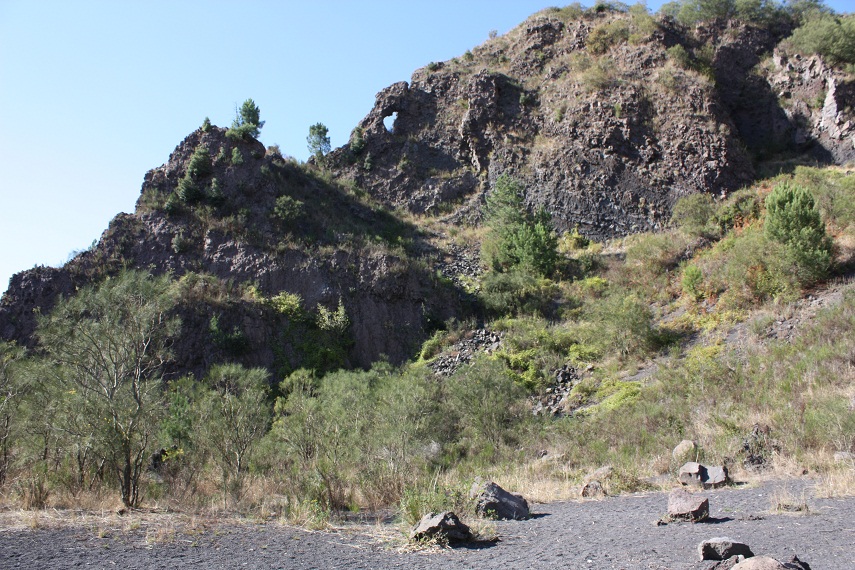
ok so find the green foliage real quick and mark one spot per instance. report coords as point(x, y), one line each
point(517, 238)
point(190, 187)
point(517, 292)
point(289, 305)
point(488, 403)
point(13, 387)
point(793, 220)
point(692, 12)
point(357, 141)
point(107, 347)
point(680, 56)
point(233, 342)
point(288, 210)
point(234, 414)
point(247, 123)
point(695, 214)
point(599, 76)
point(607, 34)
point(318, 141)
point(335, 322)
point(692, 282)
point(832, 37)
point(237, 157)
point(621, 323)
point(206, 125)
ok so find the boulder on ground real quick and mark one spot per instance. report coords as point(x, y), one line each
point(593, 489)
point(693, 474)
point(722, 548)
point(683, 505)
point(716, 477)
point(443, 525)
point(494, 502)
point(684, 450)
point(697, 475)
point(760, 563)
point(724, 564)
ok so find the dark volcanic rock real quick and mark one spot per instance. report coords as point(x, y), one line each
point(443, 525)
point(494, 502)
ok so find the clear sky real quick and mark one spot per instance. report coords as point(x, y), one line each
point(95, 93)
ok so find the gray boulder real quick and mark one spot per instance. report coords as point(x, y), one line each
point(760, 563)
point(593, 489)
point(697, 475)
point(724, 564)
point(684, 450)
point(683, 505)
point(443, 525)
point(494, 502)
point(722, 548)
point(692, 474)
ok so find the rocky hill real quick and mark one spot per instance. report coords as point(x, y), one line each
point(275, 266)
point(607, 118)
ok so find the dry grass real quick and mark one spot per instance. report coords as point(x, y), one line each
point(784, 501)
point(837, 482)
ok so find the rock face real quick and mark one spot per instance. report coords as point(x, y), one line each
point(683, 505)
point(722, 548)
point(492, 501)
point(444, 525)
point(231, 253)
point(606, 153)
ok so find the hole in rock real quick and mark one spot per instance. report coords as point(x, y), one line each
point(389, 122)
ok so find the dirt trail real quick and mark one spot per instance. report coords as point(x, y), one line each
point(618, 532)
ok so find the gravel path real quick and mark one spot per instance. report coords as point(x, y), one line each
point(618, 532)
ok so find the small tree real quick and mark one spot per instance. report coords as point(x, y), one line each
point(107, 347)
point(318, 141)
point(517, 237)
point(247, 121)
point(793, 220)
point(234, 415)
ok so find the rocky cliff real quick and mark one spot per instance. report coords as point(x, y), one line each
point(232, 251)
point(606, 118)
point(596, 116)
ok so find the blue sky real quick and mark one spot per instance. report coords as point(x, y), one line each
point(95, 93)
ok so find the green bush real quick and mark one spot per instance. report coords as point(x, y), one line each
point(287, 209)
point(246, 124)
point(793, 220)
point(692, 282)
point(695, 214)
point(516, 237)
point(517, 292)
point(605, 35)
point(832, 37)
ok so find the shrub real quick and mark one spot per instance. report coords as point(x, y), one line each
point(246, 124)
point(237, 157)
point(832, 37)
point(606, 35)
point(357, 141)
point(287, 209)
point(678, 54)
point(692, 282)
point(488, 403)
point(793, 219)
point(694, 214)
point(517, 292)
point(600, 76)
point(517, 238)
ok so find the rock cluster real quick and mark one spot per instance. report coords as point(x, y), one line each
point(729, 554)
point(686, 506)
point(554, 399)
point(463, 351)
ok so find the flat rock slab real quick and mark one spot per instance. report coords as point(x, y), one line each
point(683, 505)
point(722, 548)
